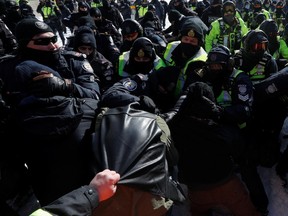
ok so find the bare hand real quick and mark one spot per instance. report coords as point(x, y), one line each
point(105, 183)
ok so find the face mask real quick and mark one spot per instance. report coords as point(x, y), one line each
point(189, 50)
point(140, 67)
point(229, 19)
point(49, 58)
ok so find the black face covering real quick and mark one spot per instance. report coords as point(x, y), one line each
point(229, 19)
point(48, 58)
point(253, 58)
point(140, 67)
point(189, 50)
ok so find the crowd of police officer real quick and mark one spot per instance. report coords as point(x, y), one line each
point(238, 48)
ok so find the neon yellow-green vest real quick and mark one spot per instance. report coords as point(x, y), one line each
point(124, 58)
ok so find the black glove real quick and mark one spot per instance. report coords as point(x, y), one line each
point(148, 104)
point(47, 86)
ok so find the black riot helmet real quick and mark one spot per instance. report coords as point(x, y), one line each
point(256, 42)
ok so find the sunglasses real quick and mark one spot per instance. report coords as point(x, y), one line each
point(45, 41)
point(259, 47)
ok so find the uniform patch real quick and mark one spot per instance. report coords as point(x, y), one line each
point(87, 67)
point(242, 89)
point(130, 85)
point(140, 53)
point(41, 25)
point(191, 33)
point(271, 89)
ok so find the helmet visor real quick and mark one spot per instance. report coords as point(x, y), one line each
point(258, 47)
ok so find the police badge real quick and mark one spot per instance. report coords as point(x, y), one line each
point(140, 53)
point(191, 33)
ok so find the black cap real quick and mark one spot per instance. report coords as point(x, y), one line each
point(27, 28)
point(192, 29)
point(142, 47)
point(84, 37)
point(174, 15)
point(130, 26)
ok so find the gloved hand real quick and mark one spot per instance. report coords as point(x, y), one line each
point(46, 85)
point(148, 104)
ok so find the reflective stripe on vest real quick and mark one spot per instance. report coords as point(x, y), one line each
point(40, 212)
point(96, 5)
point(124, 58)
point(201, 55)
point(142, 11)
point(168, 52)
point(225, 99)
point(47, 12)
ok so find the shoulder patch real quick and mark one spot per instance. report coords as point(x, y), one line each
point(130, 85)
point(242, 89)
point(87, 67)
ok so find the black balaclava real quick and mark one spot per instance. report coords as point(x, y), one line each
point(85, 37)
point(192, 29)
point(142, 47)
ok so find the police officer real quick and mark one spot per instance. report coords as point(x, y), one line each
point(173, 31)
point(213, 12)
point(180, 5)
point(183, 57)
point(142, 58)
point(227, 30)
point(233, 88)
point(271, 29)
point(207, 166)
point(131, 30)
point(257, 8)
point(141, 9)
point(52, 16)
point(111, 13)
point(253, 58)
point(85, 43)
point(8, 43)
point(237, 100)
point(42, 72)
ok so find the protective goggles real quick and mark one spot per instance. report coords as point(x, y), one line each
point(45, 41)
point(257, 47)
point(130, 36)
point(229, 9)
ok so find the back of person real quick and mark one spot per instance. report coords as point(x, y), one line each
point(137, 144)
